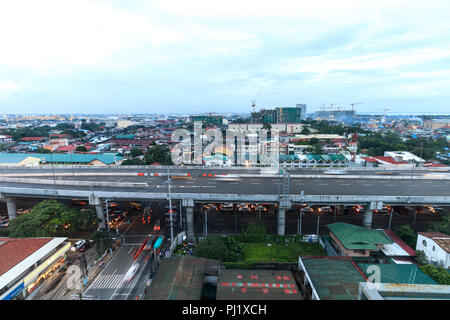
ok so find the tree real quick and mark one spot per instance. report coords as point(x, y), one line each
point(219, 247)
point(133, 162)
point(407, 234)
point(442, 226)
point(267, 126)
point(81, 149)
point(305, 130)
point(43, 151)
point(51, 218)
point(135, 152)
point(158, 153)
point(437, 273)
point(255, 232)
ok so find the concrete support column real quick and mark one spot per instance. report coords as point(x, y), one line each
point(100, 216)
point(97, 202)
point(282, 206)
point(281, 221)
point(369, 211)
point(189, 206)
point(12, 208)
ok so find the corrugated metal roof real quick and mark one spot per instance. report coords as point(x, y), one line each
point(236, 284)
point(178, 278)
point(398, 273)
point(333, 278)
point(355, 237)
point(13, 157)
point(107, 158)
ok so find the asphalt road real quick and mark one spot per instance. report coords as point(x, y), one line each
point(258, 185)
point(110, 283)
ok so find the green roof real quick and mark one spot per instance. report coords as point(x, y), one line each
point(125, 136)
point(354, 237)
point(334, 278)
point(398, 273)
point(107, 158)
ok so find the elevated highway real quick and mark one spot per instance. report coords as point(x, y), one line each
point(344, 186)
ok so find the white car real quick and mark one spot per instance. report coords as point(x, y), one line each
point(131, 272)
point(78, 245)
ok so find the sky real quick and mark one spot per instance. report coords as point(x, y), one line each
point(196, 56)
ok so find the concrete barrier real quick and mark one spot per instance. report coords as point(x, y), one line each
point(75, 183)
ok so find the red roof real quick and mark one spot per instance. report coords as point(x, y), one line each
point(400, 242)
point(66, 149)
point(434, 165)
point(33, 138)
point(13, 251)
point(389, 160)
point(442, 240)
point(367, 159)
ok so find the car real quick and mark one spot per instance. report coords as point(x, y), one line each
point(227, 207)
point(4, 224)
point(243, 207)
point(78, 245)
point(307, 209)
point(325, 209)
point(357, 208)
point(260, 207)
point(131, 272)
point(85, 246)
point(385, 210)
point(157, 225)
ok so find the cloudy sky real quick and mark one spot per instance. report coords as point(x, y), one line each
point(191, 56)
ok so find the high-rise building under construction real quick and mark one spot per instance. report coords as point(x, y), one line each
point(280, 115)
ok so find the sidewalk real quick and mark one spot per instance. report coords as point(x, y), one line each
point(61, 291)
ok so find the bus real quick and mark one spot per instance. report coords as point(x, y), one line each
point(158, 242)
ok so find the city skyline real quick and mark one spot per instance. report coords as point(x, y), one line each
point(153, 57)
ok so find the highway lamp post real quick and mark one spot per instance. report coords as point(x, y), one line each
point(391, 211)
point(71, 160)
point(318, 224)
point(205, 228)
point(53, 169)
point(170, 206)
point(299, 222)
point(235, 220)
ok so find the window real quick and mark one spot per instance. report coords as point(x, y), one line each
point(433, 248)
point(424, 242)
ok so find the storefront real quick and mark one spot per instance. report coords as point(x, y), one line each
point(28, 275)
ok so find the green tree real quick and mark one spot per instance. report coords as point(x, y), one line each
point(255, 232)
point(305, 130)
point(51, 218)
point(407, 234)
point(81, 149)
point(43, 151)
point(437, 273)
point(158, 153)
point(443, 225)
point(135, 152)
point(220, 248)
point(133, 162)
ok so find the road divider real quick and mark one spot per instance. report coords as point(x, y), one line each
point(75, 183)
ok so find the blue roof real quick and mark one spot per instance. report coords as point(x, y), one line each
point(13, 157)
point(107, 158)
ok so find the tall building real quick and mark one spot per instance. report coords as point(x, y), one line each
point(279, 115)
point(303, 107)
point(208, 119)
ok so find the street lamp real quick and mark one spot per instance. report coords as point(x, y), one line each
point(170, 206)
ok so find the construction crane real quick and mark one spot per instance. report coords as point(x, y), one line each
point(254, 101)
point(354, 104)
